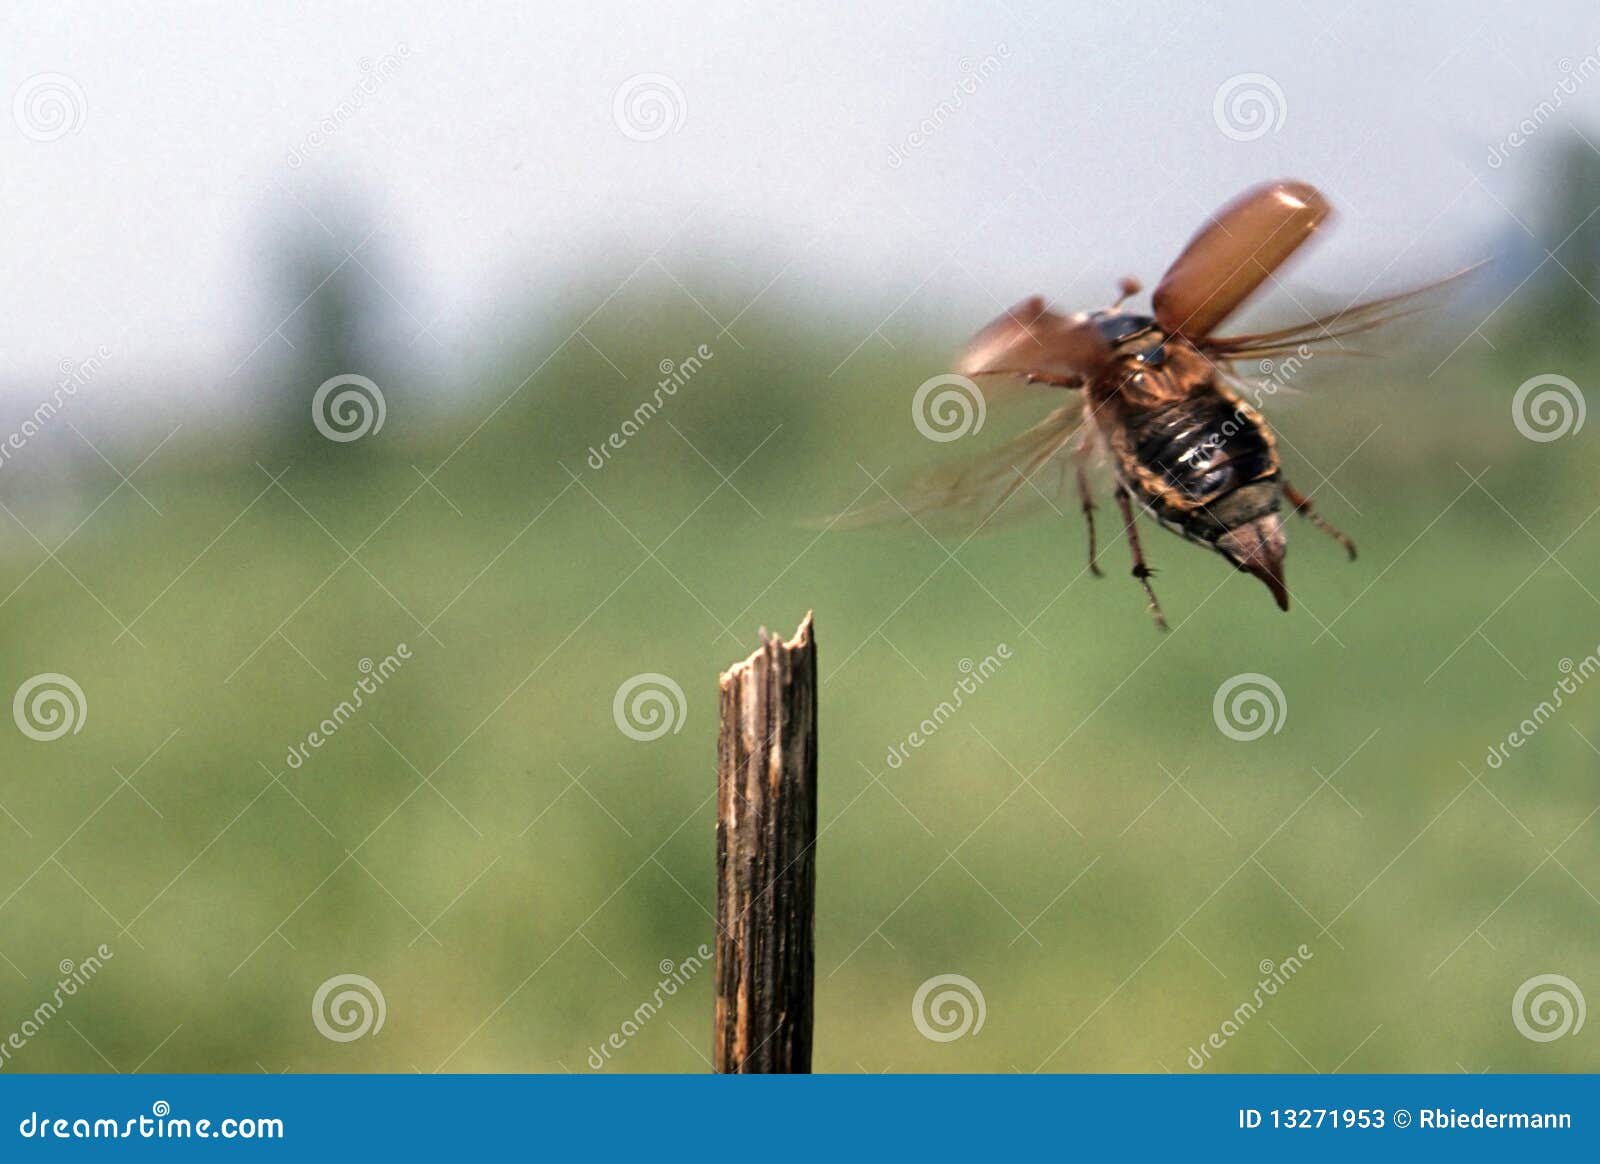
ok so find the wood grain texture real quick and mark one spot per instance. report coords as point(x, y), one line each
point(766, 859)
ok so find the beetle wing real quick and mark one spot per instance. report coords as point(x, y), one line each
point(1352, 320)
point(1234, 253)
point(1032, 341)
point(1029, 472)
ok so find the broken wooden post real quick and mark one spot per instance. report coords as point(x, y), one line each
point(766, 858)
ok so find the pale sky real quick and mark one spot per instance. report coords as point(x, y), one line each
point(147, 153)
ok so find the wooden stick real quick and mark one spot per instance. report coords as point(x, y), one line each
point(766, 858)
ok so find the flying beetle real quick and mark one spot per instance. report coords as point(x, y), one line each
point(1155, 397)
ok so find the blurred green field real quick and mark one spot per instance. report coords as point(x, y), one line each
point(1080, 840)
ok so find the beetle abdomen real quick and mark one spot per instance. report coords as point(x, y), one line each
point(1203, 465)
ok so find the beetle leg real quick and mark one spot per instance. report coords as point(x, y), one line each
point(1140, 570)
point(1088, 513)
point(1302, 505)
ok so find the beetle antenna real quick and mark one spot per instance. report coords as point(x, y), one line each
point(1129, 286)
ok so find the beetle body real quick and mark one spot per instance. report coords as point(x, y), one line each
point(1156, 397)
point(1186, 447)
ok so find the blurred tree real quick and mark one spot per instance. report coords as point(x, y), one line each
point(1558, 312)
point(326, 389)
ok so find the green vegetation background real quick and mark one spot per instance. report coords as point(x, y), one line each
point(1080, 840)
